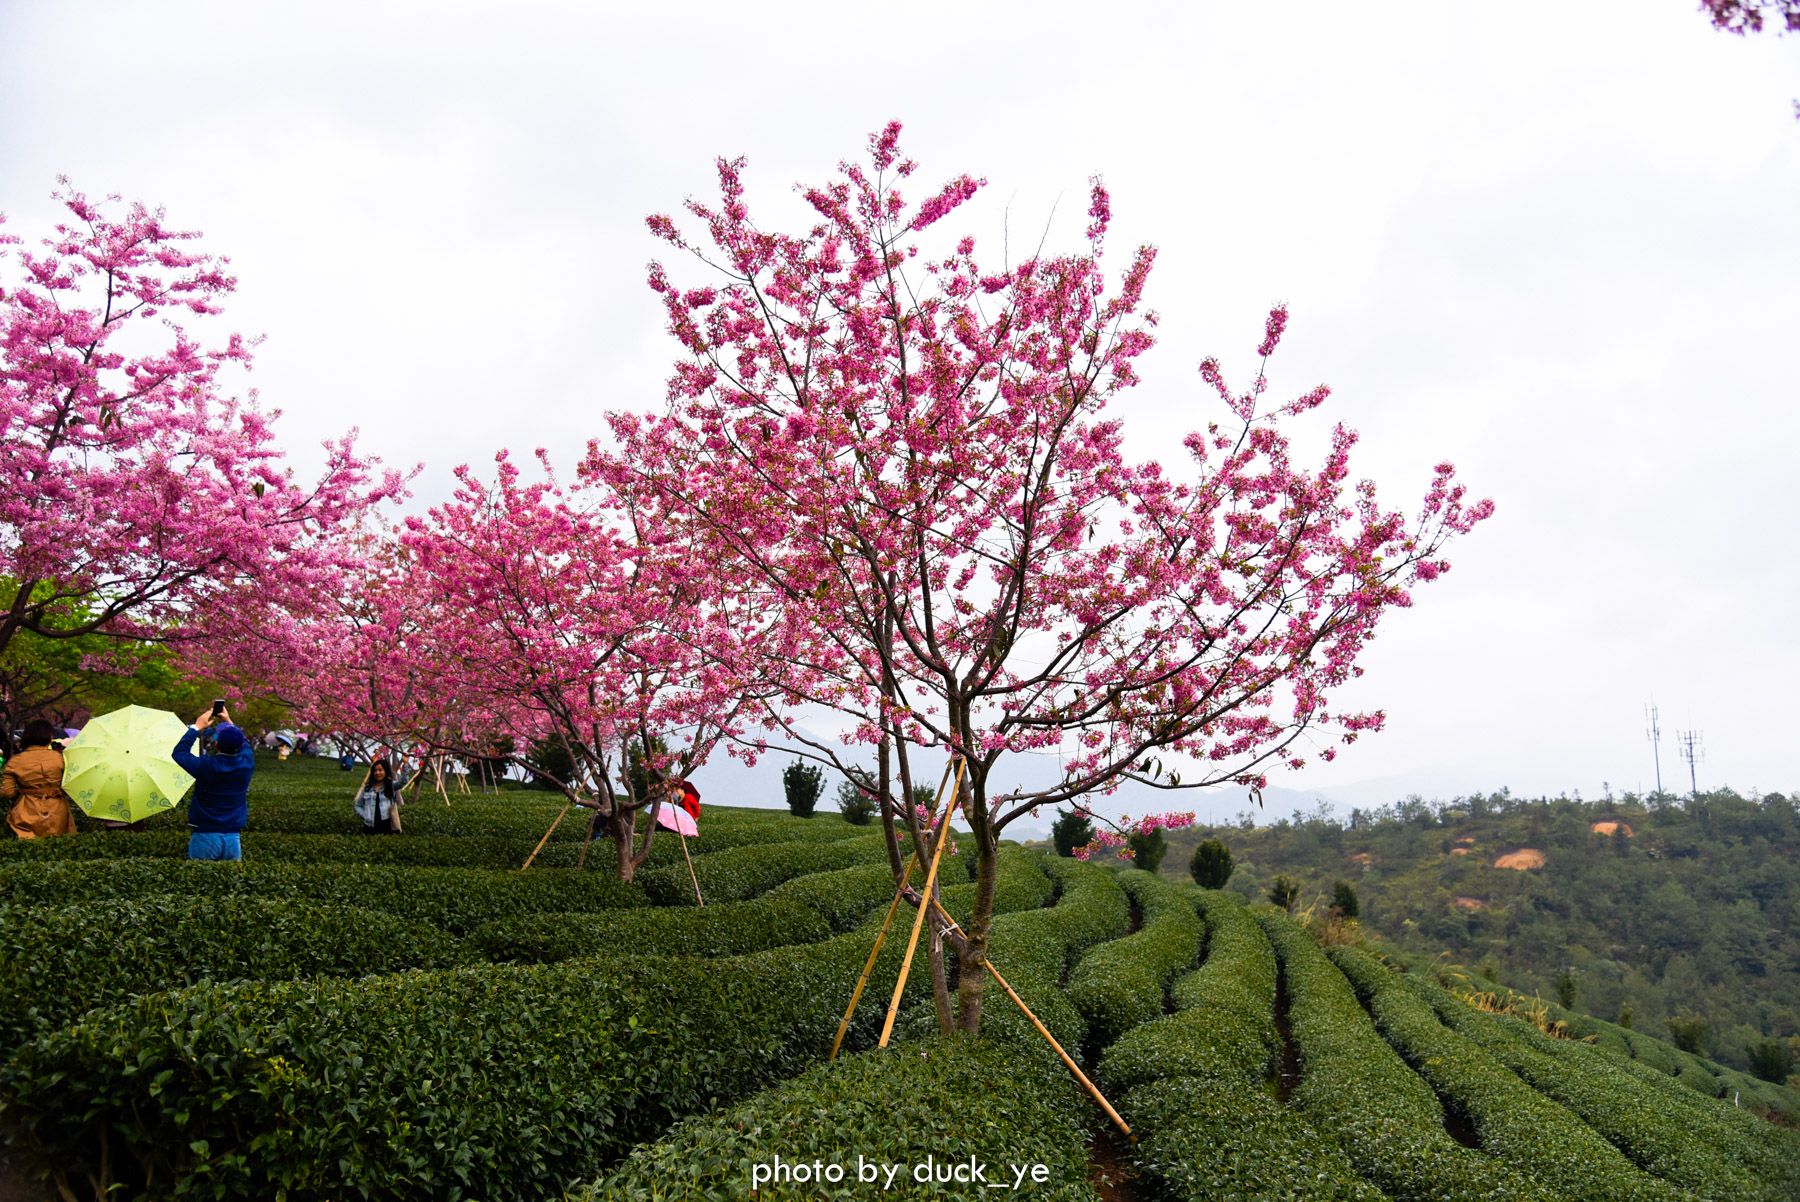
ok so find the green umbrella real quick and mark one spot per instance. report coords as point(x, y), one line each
point(119, 766)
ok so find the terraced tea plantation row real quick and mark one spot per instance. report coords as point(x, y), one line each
point(413, 1017)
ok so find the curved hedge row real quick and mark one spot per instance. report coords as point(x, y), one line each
point(1683, 1145)
point(1224, 1025)
point(729, 928)
point(58, 963)
point(454, 899)
point(897, 1106)
point(491, 1082)
point(1033, 948)
point(1381, 1113)
point(1515, 1122)
point(1192, 1084)
point(744, 872)
point(1119, 985)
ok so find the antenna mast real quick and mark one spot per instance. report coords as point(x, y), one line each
point(1655, 733)
point(1693, 748)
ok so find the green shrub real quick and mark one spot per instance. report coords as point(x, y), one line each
point(744, 872)
point(1283, 893)
point(1072, 829)
point(1515, 1122)
point(453, 899)
point(492, 1082)
point(1033, 948)
point(1201, 1140)
point(856, 799)
point(1344, 902)
point(1120, 984)
point(894, 1106)
point(1224, 1026)
point(1211, 866)
point(1148, 848)
point(1386, 1119)
point(844, 897)
point(1689, 1032)
point(802, 783)
point(1684, 1144)
point(725, 929)
point(1772, 1060)
point(60, 962)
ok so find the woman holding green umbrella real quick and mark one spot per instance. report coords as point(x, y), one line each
point(32, 785)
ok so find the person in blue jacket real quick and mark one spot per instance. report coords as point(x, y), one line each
point(221, 802)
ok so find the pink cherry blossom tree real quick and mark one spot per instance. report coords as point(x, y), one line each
point(910, 448)
point(551, 612)
point(139, 498)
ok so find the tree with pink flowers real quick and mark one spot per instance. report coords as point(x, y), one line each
point(909, 446)
point(545, 611)
point(140, 499)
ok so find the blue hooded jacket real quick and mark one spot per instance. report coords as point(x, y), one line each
point(221, 801)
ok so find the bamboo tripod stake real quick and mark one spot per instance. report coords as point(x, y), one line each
point(874, 952)
point(912, 943)
point(546, 838)
point(1042, 1030)
point(691, 876)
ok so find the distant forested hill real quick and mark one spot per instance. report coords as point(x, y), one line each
point(1678, 917)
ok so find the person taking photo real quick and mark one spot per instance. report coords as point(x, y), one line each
point(221, 802)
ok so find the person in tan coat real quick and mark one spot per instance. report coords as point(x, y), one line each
point(31, 784)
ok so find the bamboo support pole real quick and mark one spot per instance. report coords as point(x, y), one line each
point(912, 943)
point(546, 838)
point(691, 876)
point(874, 952)
point(1042, 1030)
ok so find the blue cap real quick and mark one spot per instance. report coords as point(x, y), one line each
point(229, 739)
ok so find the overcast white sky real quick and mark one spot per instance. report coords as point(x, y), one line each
point(1552, 242)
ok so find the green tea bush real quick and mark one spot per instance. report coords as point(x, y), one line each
point(1119, 985)
point(1192, 1084)
point(59, 962)
point(1202, 1139)
point(1358, 1091)
point(1514, 1121)
point(729, 928)
point(454, 899)
point(744, 872)
point(1034, 948)
point(843, 898)
point(896, 1106)
point(491, 1082)
point(1224, 1025)
point(1687, 1145)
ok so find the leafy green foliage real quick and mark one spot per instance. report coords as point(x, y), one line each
point(1514, 1122)
point(1388, 1121)
point(1119, 985)
point(1686, 1140)
point(893, 1106)
point(1071, 830)
point(856, 798)
point(1344, 902)
point(1148, 848)
point(1211, 865)
point(1283, 893)
point(1772, 1060)
point(802, 783)
point(1702, 917)
point(453, 899)
point(744, 872)
point(59, 962)
point(730, 928)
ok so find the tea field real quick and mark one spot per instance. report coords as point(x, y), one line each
point(413, 1017)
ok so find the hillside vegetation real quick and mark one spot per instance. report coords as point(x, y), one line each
point(413, 1017)
point(1676, 918)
